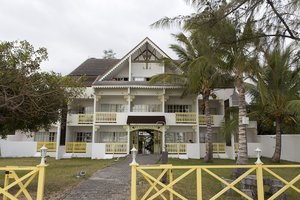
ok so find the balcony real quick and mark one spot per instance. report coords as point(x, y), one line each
point(185, 118)
point(217, 147)
point(85, 118)
point(51, 146)
point(176, 148)
point(106, 117)
point(116, 148)
point(216, 120)
point(76, 147)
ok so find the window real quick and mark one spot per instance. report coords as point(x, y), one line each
point(178, 108)
point(146, 108)
point(113, 137)
point(113, 108)
point(139, 79)
point(179, 137)
point(45, 137)
point(83, 137)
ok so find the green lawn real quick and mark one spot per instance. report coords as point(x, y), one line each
point(210, 185)
point(60, 174)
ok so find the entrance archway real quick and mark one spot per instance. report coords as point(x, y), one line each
point(146, 141)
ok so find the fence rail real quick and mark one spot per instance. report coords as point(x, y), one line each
point(51, 146)
point(17, 179)
point(164, 190)
point(176, 148)
point(85, 118)
point(76, 147)
point(217, 147)
point(186, 118)
point(116, 148)
point(106, 117)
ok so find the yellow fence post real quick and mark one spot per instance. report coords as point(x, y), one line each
point(41, 182)
point(170, 172)
point(6, 182)
point(260, 182)
point(133, 180)
point(199, 183)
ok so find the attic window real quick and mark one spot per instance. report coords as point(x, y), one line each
point(121, 79)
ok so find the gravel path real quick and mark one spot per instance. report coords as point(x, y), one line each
point(111, 183)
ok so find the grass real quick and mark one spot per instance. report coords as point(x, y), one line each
point(60, 174)
point(210, 185)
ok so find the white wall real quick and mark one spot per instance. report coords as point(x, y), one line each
point(140, 70)
point(98, 151)
point(193, 150)
point(18, 148)
point(289, 150)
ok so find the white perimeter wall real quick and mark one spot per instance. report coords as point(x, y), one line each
point(289, 150)
point(18, 148)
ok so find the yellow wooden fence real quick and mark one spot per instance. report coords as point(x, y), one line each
point(189, 118)
point(167, 191)
point(16, 182)
point(85, 118)
point(217, 147)
point(106, 117)
point(116, 148)
point(176, 148)
point(76, 147)
point(51, 146)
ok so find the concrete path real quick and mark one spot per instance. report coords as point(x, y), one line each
point(111, 183)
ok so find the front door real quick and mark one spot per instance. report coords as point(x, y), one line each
point(146, 141)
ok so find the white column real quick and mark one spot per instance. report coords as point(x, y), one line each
point(197, 121)
point(94, 119)
point(163, 138)
point(128, 139)
point(129, 66)
point(232, 146)
point(57, 155)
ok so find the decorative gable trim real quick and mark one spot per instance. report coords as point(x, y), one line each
point(130, 53)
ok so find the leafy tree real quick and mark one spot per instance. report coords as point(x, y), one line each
point(109, 54)
point(199, 73)
point(276, 93)
point(29, 99)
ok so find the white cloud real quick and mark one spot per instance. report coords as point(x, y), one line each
point(74, 30)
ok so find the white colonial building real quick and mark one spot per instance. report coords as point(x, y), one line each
point(120, 109)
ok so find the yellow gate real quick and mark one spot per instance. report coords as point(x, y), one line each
point(166, 190)
point(12, 180)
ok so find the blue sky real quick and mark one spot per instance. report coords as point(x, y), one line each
point(74, 30)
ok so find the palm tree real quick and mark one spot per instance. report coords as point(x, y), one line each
point(199, 73)
point(276, 93)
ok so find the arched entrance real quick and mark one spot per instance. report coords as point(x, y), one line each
point(146, 141)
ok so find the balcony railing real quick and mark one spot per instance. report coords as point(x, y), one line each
point(116, 148)
point(106, 117)
point(76, 147)
point(217, 147)
point(85, 118)
point(185, 118)
point(202, 120)
point(51, 146)
point(176, 148)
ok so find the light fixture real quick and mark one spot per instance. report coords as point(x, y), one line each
point(258, 151)
point(43, 155)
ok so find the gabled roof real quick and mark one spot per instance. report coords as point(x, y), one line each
point(129, 54)
point(94, 67)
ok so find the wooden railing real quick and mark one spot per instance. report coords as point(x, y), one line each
point(185, 118)
point(202, 120)
point(159, 189)
point(176, 148)
point(51, 146)
point(17, 179)
point(76, 147)
point(116, 148)
point(85, 118)
point(106, 117)
point(217, 147)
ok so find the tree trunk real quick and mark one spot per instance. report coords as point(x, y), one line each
point(209, 154)
point(242, 150)
point(277, 152)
